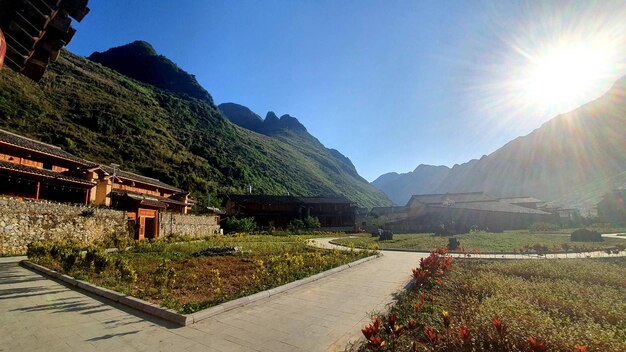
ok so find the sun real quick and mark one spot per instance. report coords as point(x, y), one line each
point(565, 74)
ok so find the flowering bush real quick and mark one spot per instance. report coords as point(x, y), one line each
point(524, 306)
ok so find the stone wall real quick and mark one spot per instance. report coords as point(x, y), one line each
point(174, 224)
point(23, 221)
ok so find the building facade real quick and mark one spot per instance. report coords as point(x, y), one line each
point(40, 171)
point(278, 211)
point(461, 212)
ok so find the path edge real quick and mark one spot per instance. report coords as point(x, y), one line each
point(186, 319)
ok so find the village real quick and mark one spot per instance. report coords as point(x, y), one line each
point(36, 171)
point(138, 214)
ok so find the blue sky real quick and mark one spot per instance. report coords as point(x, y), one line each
point(390, 84)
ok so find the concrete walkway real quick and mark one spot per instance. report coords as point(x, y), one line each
point(37, 314)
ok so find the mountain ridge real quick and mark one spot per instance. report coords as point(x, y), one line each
point(563, 161)
point(101, 115)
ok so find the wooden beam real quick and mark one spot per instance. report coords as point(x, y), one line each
point(38, 187)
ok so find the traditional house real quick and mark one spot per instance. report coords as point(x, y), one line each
point(462, 211)
point(278, 211)
point(32, 169)
point(526, 202)
point(37, 170)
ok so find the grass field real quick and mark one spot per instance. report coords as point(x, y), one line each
point(515, 306)
point(179, 276)
point(508, 241)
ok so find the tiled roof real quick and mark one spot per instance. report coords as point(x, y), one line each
point(326, 200)
point(42, 172)
point(451, 197)
point(147, 197)
point(31, 144)
point(494, 206)
point(139, 178)
point(519, 200)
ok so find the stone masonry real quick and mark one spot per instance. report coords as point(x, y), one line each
point(23, 221)
point(174, 224)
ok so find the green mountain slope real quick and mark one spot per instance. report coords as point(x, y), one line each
point(99, 114)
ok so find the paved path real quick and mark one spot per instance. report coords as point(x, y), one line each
point(37, 314)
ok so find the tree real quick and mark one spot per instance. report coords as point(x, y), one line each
point(232, 224)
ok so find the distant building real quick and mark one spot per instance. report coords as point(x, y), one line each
point(278, 211)
point(612, 207)
point(526, 202)
point(40, 171)
point(461, 211)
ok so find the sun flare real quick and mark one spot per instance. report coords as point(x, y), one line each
point(566, 73)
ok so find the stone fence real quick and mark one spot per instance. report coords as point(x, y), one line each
point(24, 221)
point(174, 224)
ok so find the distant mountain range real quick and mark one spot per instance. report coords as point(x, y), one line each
point(131, 106)
point(570, 160)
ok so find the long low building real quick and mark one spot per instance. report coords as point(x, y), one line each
point(278, 211)
point(462, 211)
point(40, 171)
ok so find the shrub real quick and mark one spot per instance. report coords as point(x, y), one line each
point(164, 275)
point(68, 254)
point(386, 235)
point(88, 259)
point(453, 243)
point(100, 261)
point(584, 235)
point(445, 230)
point(37, 250)
point(311, 222)
point(296, 225)
point(125, 270)
point(232, 224)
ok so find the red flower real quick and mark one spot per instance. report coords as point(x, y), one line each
point(372, 329)
point(376, 343)
point(392, 320)
point(420, 275)
point(439, 282)
point(446, 318)
point(536, 345)
point(464, 333)
point(369, 331)
point(430, 297)
point(412, 323)
point(500, 327)
point(580, 348)
point(418, 306)
point(431, 334)
point(422, 297)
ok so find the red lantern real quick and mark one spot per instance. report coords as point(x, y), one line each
point(3, 49)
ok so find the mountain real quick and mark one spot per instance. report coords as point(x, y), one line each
point(289, 130)
point(169, 131)
point(423, 180)
point(140, 61)
point(570, 160)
